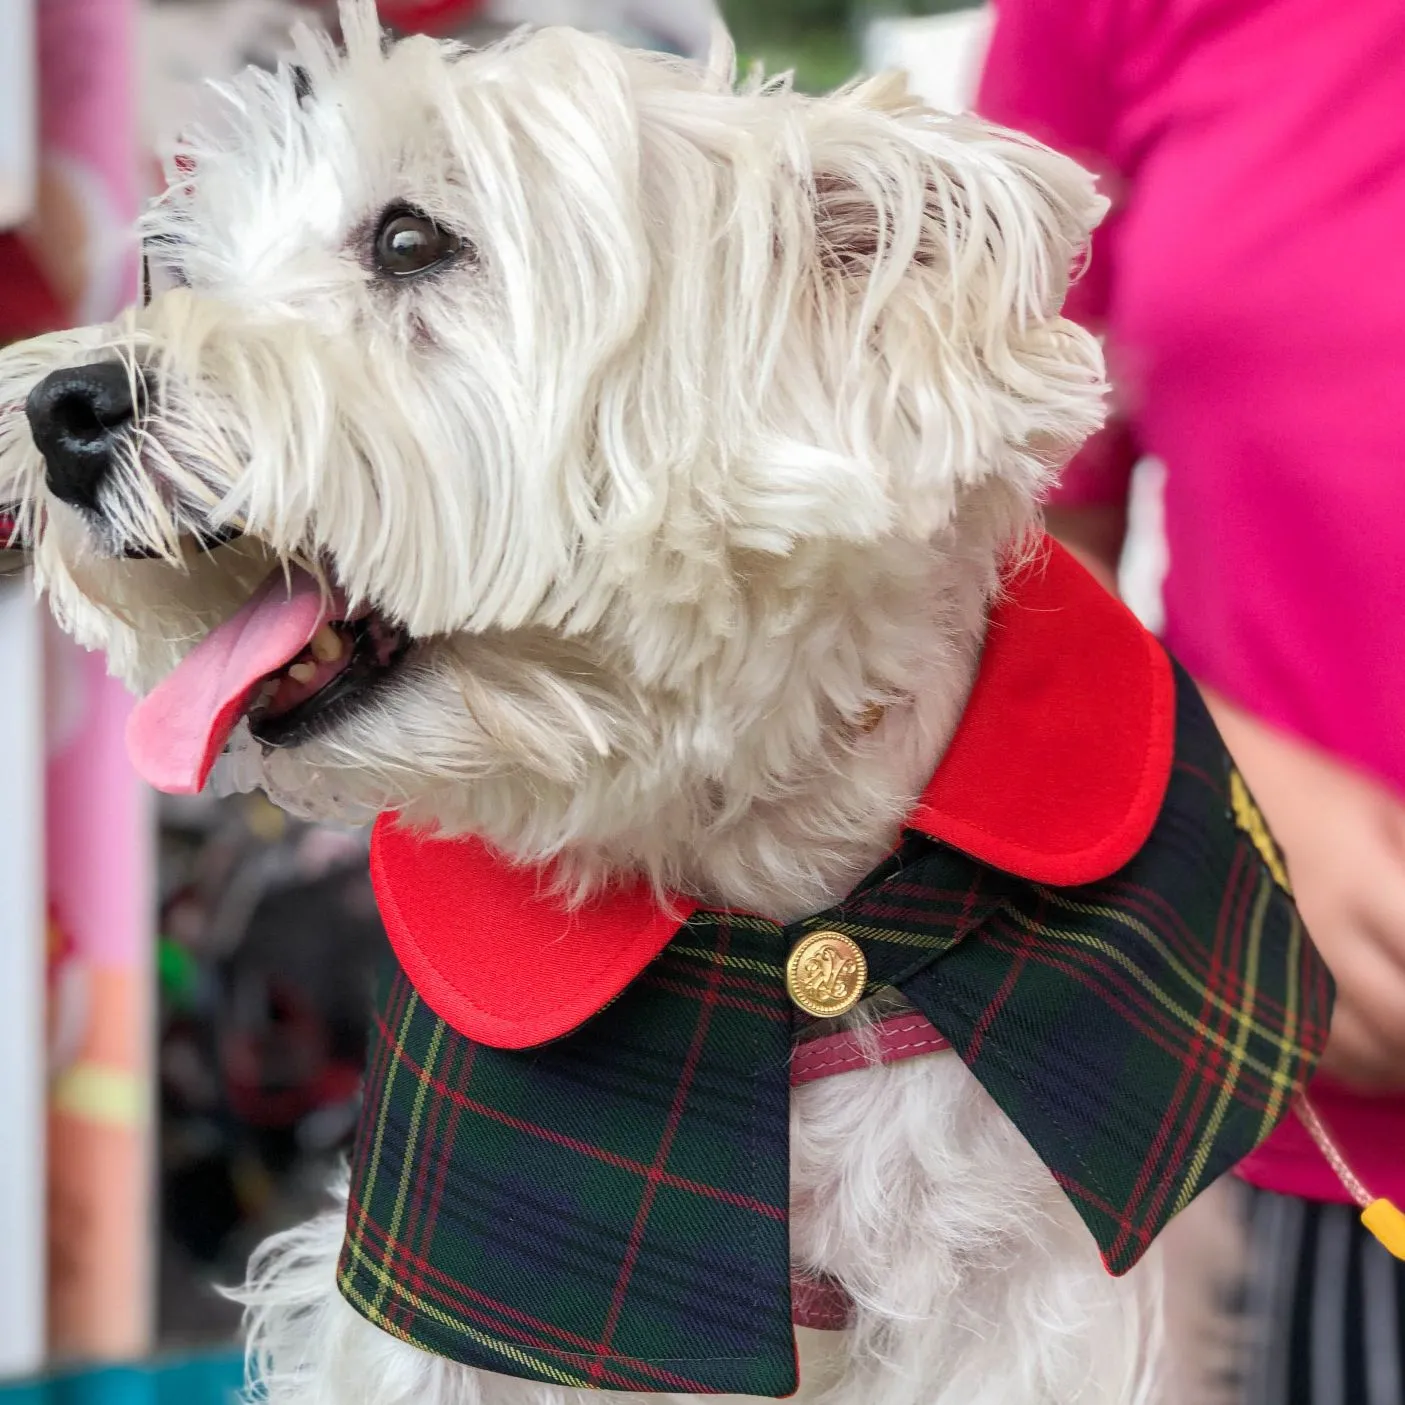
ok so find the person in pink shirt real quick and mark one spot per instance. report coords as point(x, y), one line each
point(1250, 284)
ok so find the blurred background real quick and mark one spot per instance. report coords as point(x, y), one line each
point(188, 982)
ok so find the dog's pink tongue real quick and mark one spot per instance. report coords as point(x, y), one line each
point(179, 729)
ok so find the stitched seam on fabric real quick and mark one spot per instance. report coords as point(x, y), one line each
point(487, 1309)
point(383, 1319)
point(654, 1370)
point(1083, 1190)
point(917, 1024)
point(850, 1063)
point(389, 898)
point(996, 1053)
point(506, 1349)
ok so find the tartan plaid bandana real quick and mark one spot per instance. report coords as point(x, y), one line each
point(595, 1193)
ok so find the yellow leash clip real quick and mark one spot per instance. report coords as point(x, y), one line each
point(1387, 1222)
point(1382, 1217)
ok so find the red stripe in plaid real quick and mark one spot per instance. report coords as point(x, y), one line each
point(656, 1170)
point(442, 1161)
point(1118, 990)
point(478, 1307)
point(1202, 1067)
point(518, 1124)
point(731, 1002)
point(1208, 1062)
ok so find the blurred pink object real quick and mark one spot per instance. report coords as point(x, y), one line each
point(100, 840)
point(88, 154)
point(99, 824)
point(1252, 290)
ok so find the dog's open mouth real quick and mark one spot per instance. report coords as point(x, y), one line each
point(294, 660)
point(344, 661)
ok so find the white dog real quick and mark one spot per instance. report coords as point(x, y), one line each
point(653, 434)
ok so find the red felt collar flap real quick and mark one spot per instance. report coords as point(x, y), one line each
point(1056, 774)
point(1060, 763)
point(494, 952)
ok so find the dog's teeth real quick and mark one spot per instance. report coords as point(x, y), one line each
point(327, 645)
point(303, 672)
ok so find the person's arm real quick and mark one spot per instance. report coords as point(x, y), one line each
point(1048, 73)
point(1343, 835)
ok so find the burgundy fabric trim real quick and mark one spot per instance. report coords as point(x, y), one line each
point(820, 1303)
point(903, 1036)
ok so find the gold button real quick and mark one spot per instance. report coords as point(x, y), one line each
point(826, 974)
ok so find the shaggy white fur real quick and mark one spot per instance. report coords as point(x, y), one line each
point(714, 435)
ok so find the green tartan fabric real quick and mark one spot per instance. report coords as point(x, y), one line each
point(607, 1211)
point(610, 1211)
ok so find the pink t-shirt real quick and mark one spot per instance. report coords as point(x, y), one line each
point(1251, 284)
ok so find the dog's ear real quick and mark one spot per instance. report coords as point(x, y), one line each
point(948, 246)
point(896, 183)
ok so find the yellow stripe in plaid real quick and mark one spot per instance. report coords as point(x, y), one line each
point(1191, 1021)
point(1289, 1046)
point(396, 1059)
point(1244, 1023)
point(373, 1311)
point(408, 1170)
point(730, 963)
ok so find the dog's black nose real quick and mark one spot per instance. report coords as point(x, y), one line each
point(78, 418)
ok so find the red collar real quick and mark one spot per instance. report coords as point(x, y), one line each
point(1056, 774)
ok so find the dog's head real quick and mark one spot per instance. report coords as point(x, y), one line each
point(536, 439)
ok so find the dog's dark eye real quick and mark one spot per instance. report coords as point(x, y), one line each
point(409, 242)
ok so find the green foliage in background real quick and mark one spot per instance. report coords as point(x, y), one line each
point(819, 39)
point(786, 16)
point(822, 58)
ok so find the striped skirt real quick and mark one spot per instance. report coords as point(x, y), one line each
point(1328, 1307)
